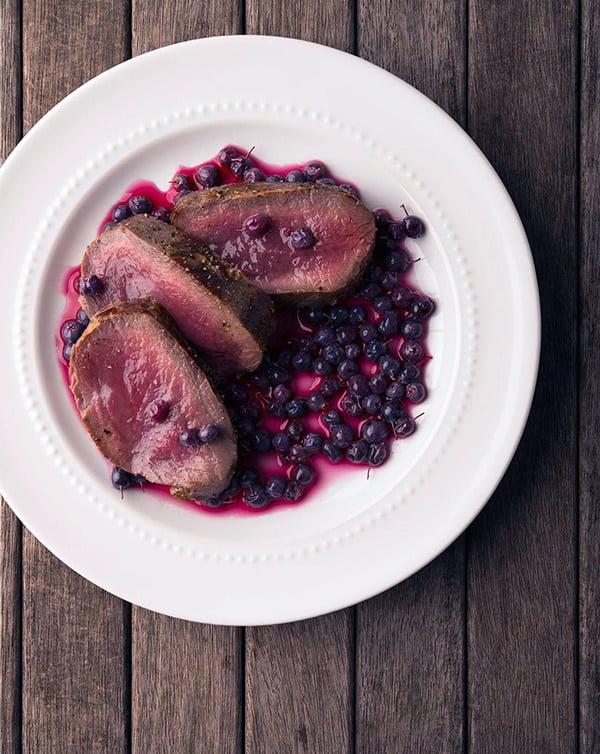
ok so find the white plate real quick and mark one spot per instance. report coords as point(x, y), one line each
point(293, 101)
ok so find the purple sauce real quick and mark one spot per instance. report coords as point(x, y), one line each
point(285, 393)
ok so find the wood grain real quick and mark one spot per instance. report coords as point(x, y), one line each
point(10, 528)
point(589, 362)
point(187, 679)
point(74, 680)
point(299, 677)
point(410, 640)
point(522, 549)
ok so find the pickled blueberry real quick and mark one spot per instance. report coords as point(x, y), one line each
point(181, 181)
point(403, 297)
point(66, 352)
point(397, 231)
point(120, 212)
point(162, 213)
point(357, 314)
point(325, 182)
point(254, 174)
point(331, 452)
point(415, 392)
point(371, 290)
point(237, 393)
point(316, 401)
point(331, 418)
point(302, 361)
point(374, 273)
point(333, 352)
point(312, 443)
point(303, 474)
point(412, 351)
point(314, 170)
point(275, 486)
point(274, 179)
point(372, 403)
point(351, 405)
point(120, 478)
point(295, 430)
point(295, 408)
point(377, 454)
point(359, 384)
point(293, 492)
point(396, 261)
point(325, 335)
point(208, 176)
point(390, 366)
point(275, 408)
point(282, 392)
point(346, 334)
point(159, 410)
point(281, 442)
point(278, 376)
point(331, 386)
point(347, 368)
point(140, 205)
point(412, 329)
point(391, 411)
point(227, 154)
point(338, 315)
point(383, 304)
point(295, 176)
point(357, 452)
point(349, 189)
point(353, 351)
point(190, 438)
point(109, 225)
point(315, 317)
point(256, 225)
point(422, 307)
point(374, 430)
point(72, 330)
point(367, 332)
point(410, 373)
point(382, 219)
point(395, 391)
point(262, 440)
point(378, 383)
point(403, 427)
point(249, 411)
point(390, 280)
point(297, 453)
point(322, 367)
point(90, 285)
point(239, 165)
point(413, 226)
point(302, 238)
point(248, 477)
point(256, 496)
point(180, 194)
point(388, 324)
point(341, 435)
point(375, 349)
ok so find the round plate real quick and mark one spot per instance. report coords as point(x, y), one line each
point(361, 533)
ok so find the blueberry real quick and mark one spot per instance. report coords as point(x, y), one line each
point(315, 317)
point(331, 418)
point(383, 304)
point(275, 486)
point(422, 307)
point(66, 352)
point(396, 261)
point(83, 318)
point(284, 357)
point(341, 435)
point(256, 496)
point(316, 401)
point(249, 411)
point(181, 181)
point(120, 478)
point(302, 361)
point(120, 212)
point(390, 280)
point(371, 290)
point(245, 427)
point(367, 332)
point(314, 170)
point(331, 452)
point(237, 393)
point(254, 174)
point(282, 393)
point(248, 477)
point(262, 440)
point(410, 373)
point(215, 502)
point(374, 430)
point(382, 219)
point(90, 285)
point(390, 366)
point(333, 352)
point(395, 391)
point(357, 452)
point(415, 392)
point(391, 411)
point(351, 405)
point(353, 351)
point(375, 349)
point(158, 410)
point(346, 334)
point(281, 442)
point(403, 427)
point(109, 225)
point(180, 194)
point(413, 226)
point(140, 205)
point(330, 387)
point(303, 474)
point(208, 176)
point(388, 324)
point(325, 335)
point(295, 176)
point(297, 453)
point(349, 189)
point(359, 384)
point(412, 329)
point(71, 331)
point(372, 403)
point(378, 383)
point(338, 315)
point(295, 430)
point(302, 238)
point(163, 214)
point(276, 408)
point(233, 487)
point(357, 314)
point(312, 443)
point(347, 368)
point(259, 379)
point(278, 376)
point(274, 178)
point(322, 367)
point(412, 351)
point(256, 225)
point(307, 343)
point(397, 231)
point(295, 408)
point(190, 438)
point(239, 165)
point(374, 273)
point(403, 297)
point(325, 182)
point(293, 492)
point(227, 154)
point(377, 454)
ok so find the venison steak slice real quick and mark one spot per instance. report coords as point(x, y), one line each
point(213, 305)
point(138, 387)
point(304, 244)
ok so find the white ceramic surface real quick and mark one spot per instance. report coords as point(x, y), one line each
point(293, 101)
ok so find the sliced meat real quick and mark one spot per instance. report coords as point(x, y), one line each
point(343, 230)
point(138, 387)
point(214, 306)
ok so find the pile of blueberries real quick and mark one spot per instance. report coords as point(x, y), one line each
point(364, 356)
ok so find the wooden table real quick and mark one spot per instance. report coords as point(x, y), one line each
point(494, 647)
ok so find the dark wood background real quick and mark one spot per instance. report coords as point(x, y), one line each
point(494, 647)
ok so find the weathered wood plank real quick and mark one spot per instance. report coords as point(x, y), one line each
point(187, 679)
point(74, 674)
point(410, 640)
point(299, 677)
point(522, 549)
point(10, 527)
point(589, 361)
